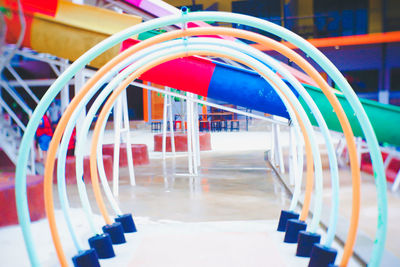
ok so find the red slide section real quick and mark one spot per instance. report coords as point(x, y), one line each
point(175, 73)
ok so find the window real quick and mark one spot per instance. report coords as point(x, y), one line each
point(363, 81)
point(269, 10)
point(395, 79)
point(392, 15)
point(340, 17)
point(260, 8)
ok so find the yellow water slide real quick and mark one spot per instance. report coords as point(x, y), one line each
point(65, 29)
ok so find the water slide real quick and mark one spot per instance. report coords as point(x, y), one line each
point(385, 118)
point(160, 9)
point(212, 72)
point(379, 114)
point(67, 30)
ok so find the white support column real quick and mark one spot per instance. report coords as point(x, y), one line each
point(165, 116)
point(359, 146)
point(292, 156)
point(64, 95)
point(300, 158)
point(193, 135)
point(188, 134)
point(79, 82)
point(197, 133)
point(272, 151)
point(278, 147)
point(32, 170)
point(128, 138)
point(383, 96)
point(171, 122)
point(117, 141)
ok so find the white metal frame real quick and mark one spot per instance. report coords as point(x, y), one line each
point(167, 118)
point(362, 149)
point(122, 127)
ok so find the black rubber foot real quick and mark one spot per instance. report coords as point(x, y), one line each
point(127, 223)
point(293, 227)
point(306, 242)
point(116, 232)
point(86, 258)
point(103, 246)
point(322, 256)
point(285, 216)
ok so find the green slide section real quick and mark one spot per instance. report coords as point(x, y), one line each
point(385, 119)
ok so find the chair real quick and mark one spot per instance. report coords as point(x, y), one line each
point(224, 125)
point(204, 125)
point(155, 126)
point(215, 126)
point(235, 125)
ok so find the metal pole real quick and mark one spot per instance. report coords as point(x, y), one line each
point(197, 134)
point(272, 154)
point(358, 144)
point(171, 125)
point(22, 83)
point(188, 134)
point(292, 156)
point(164, 137)
point(79, 82)
point(193, 134)
point(64, 95)
point(300, 158)
point(117, 137)
point(128, 138)
point(279, 149)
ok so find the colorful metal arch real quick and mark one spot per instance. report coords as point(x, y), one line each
point(337, 77)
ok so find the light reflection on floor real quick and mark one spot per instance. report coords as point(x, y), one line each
point(226, 189)
point(231, 186)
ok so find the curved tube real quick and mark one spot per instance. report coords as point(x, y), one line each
point(62, 193)
point(108, 88)
point(246, 59)
point(342, 119)
point(321, 123)
point(28, 137)
point(309, 190)
point(368, 131)
point(79, 176)
point(314, 223)
point(269, 61)
point(86, 125)
point(325, 131)
point(79, 153)
point(22, 206)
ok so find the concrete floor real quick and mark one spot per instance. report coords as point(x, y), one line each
point(234, 185)
point(231, 206)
